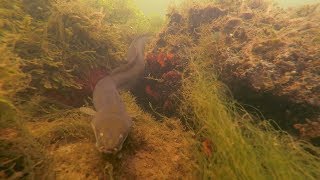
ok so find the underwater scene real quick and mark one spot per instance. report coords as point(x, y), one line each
point(165, 89)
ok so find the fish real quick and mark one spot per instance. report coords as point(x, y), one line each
point(111, 122)
point(127, 76)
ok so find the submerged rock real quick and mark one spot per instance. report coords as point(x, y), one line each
point(268, 57)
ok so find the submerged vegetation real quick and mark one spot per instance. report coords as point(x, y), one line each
point(266, 56)
point(53, 52)
point(234, 145)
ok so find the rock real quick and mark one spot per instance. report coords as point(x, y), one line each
point(271, 63)
point(199, 16)
point(247, 15)
point(231, 25)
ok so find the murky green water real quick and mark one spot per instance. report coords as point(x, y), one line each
point(288, 3)
point(160, 6)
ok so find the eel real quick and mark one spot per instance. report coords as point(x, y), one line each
point(127, 76)
point(111, 123)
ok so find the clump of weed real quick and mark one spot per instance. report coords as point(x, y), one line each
point(65, 127)
point(234, 146)
point(21, 156)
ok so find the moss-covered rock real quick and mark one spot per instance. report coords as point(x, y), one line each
point(264, 54)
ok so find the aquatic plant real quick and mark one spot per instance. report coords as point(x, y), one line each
point(54, 52)
point(257, 51)
point(51, 52)
point(232, 144)
point(13, 22)
point(163, 80)
point(20, 154)
point(63, 43)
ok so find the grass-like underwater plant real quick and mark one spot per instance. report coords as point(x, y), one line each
point(239, 147)
point(21, 156)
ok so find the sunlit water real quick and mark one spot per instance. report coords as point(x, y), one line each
point(288, 3)
point(157, 7)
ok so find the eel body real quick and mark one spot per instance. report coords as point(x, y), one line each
point(111, 123)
